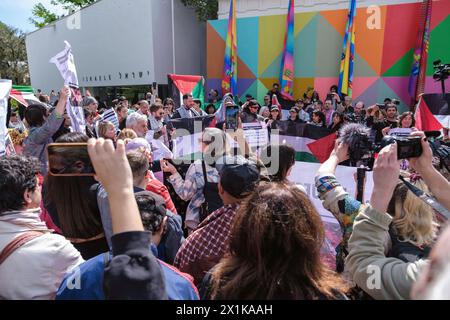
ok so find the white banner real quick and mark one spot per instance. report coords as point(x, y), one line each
point(65, 63)
point(5, 88)
point(256, 134)
point(304, 173)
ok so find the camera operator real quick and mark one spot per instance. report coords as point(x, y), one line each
point(378, 125)
point(367, 243)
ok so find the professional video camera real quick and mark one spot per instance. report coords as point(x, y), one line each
point(442, 71)
point(356, 136)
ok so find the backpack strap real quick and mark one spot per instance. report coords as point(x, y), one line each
point(18, 242)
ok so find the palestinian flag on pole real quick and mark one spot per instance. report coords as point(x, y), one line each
point(24, 95)
point(311, 143)
point(433, 112)
point(180, 85)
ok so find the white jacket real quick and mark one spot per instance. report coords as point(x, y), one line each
point(35, 270)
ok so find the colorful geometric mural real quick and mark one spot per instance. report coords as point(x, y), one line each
point(383, 56)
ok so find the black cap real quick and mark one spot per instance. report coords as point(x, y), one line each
point(239, 179)
point(159, 205)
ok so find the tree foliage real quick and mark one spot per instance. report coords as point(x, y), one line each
point(205, 9)
point(13, 55)
point(43, 16)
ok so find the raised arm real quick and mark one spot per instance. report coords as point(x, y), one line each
point(134, 272)
point(438, 185)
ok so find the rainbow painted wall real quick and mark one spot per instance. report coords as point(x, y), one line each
point(383, 56)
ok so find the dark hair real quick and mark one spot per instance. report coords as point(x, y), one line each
point(87, 113)
point(334, 87)
point(198, 102)
point(286, 159)
point(34, 115)
point(404, 115)
point(186, 96)
point(43, 98)
point(209, 106)
point(120, 107)
point(274, 250)
point(279, 114)
point(13, 113)
point(17, 175)
point(155, 107)
point(391, 105)
point(275, 84)
point(73, 137)
point(152, 212)
point(168, 101)
point(75, 203)
point(321, 116)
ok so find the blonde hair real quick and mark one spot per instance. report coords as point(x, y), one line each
point(103, 126)
point(127, 134)
point(413, 220)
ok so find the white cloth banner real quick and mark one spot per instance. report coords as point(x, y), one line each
point(304, 173)
point(5, 88)
point(65, 63)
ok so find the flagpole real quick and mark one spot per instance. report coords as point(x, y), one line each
point(173, 39)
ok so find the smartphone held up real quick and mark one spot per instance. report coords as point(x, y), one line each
point(69, 159)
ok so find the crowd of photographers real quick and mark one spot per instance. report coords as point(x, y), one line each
point(245, 232)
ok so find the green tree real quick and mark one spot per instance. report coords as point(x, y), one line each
point(43, 16)
point(13, 55)
point(205, 9)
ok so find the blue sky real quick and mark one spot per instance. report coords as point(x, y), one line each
point(16, 12)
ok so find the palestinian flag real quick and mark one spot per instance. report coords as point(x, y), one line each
point(180, 85)
point(24, 95)
point(311, 143)
point(188, 132)
point(433, 112)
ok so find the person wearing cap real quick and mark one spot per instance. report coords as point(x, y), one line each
point(293, 115)
point(178, 285)
point(204, 248)
point(250, 112)
point(275, 115)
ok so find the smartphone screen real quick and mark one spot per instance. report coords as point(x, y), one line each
point(231, 117)
point(69, 159)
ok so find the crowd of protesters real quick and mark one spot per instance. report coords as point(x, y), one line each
point(246, 232)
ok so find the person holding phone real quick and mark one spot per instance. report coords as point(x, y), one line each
point(43, 127)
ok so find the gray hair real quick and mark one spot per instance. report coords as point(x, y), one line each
point(134, 118)
point(263, 108)
point(87, 101)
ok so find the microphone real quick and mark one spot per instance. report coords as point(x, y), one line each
point(356, 136)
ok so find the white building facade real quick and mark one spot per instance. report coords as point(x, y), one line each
point(120, 43)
